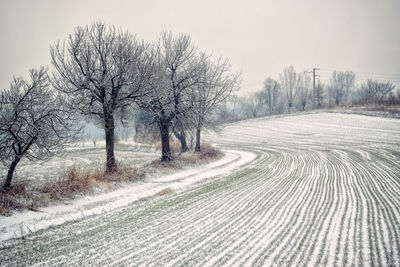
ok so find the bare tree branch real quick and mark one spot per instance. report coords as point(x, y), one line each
point(33, 122)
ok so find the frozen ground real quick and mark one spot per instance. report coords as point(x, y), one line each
point(323, 189)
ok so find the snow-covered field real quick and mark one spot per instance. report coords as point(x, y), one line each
point(323, 189)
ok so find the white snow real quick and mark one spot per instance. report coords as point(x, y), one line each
point(319, 189)
point(25, 222)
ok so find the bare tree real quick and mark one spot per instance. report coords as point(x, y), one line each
point(341, 84)
point(251, 106)
point(374, 90)
point(290, 82)
point(319, 94)
point(175, 72)
point(33, 123)
point(145, 130)
point(227, 110)
point(260, 102)
point(101, 70)
point(216, 84)
point(384, 89)
point(304, 89)
point(271, 93)
point(369, 89)
point(183, 68)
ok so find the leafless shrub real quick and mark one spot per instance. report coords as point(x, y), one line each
point(13, 198)
point(164, 192)
point(71, 183)
point(209, 152)
point(125, 174)
point(163, 166)
point(76, 181)
point(174, 145)
point(206, 154)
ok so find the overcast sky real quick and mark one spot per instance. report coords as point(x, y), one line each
point(259, 38)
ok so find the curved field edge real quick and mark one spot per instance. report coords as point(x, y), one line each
point(323, 190)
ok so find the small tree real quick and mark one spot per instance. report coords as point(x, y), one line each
point(175, 71)
point(341, 84)
point(182, 67)
point(319, 95)
point(373, 90)
point(290, 82)
point(271, 93)
point(303, 91)
point(101, 71)
point(33, 123)
point(217, 84)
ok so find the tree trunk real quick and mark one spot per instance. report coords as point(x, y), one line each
point(181, 135)
point(109, 131)
point(197, 147)
point(182, 139)
point(11, 170)
point(166, 154)
point(269, 101)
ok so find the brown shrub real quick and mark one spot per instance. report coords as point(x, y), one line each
point(77, 181)
point(13, 198)
point(164, 192)
point(163, 165)
point(17, 189)
point(206, 154)
point(72, 182)
point(124, 174)
point(174, 144)
point(5, 211)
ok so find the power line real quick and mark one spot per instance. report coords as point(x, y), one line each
point(360, 73)
point(364, 76)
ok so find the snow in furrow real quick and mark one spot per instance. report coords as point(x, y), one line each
point(322, 190)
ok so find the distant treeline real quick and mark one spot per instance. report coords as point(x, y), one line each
point(294, 91)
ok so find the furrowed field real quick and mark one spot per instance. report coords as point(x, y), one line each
point(324, 189)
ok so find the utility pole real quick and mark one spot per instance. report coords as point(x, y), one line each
point(314, 75)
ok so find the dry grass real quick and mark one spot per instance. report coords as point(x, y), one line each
point(73, 182)
point(164, 192)
point(378, 107)
point(164, 166)
point(15, 197)
point(174, 144)
point(77, 181)
point(206, 154)
point(5, 211)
